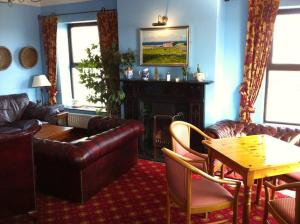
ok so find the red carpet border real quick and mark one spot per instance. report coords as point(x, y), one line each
point(138, 197)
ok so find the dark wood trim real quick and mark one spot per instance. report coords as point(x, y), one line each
point(279, 67)
point(284, 67)
point(72, 63)
point(288, 11)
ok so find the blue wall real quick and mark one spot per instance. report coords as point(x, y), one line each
point(19, 28)
point(217, 31)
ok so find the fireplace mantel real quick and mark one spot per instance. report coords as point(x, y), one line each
point(189, 93)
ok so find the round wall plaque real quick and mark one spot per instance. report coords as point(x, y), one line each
point(5, 58)
point(28, 57)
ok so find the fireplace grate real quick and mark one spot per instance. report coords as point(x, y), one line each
point(161, 135)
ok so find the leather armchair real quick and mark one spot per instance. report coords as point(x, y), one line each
point(17, 113)
point(17, 190)
point(77, 170)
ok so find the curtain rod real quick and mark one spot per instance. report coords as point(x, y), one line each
point(74, 13)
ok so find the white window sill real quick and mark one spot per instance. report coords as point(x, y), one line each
point(86, 109)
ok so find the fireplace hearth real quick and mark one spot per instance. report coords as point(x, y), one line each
point(157, 103)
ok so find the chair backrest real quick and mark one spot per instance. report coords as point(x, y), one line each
point(180, 133)
point(178, 176)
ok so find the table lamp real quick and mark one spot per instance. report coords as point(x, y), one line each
point(41, 81)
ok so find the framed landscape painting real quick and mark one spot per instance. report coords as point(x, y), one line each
point(164, 46)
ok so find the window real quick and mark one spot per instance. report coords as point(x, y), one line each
point(283, 71)
point(81, 36)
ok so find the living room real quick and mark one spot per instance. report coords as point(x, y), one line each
point(217, 39)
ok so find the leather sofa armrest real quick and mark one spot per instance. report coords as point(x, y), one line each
point(100, 124)
point(80, 155)
point(223, 129)
point(43, 113)
point(54, 151)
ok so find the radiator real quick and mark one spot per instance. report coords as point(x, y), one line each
point(79, 120)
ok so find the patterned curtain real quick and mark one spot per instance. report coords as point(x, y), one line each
point(108, 29)
point(261, 19)
point(49, 30)
point(107, 21)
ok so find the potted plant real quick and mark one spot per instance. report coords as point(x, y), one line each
point(200, 76)
point(100, 72)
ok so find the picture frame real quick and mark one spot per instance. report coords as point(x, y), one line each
point(164, 46)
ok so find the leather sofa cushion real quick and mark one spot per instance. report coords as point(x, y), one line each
point(43, 113)
point(12, 107)
point(9, 129)
point(18, 126)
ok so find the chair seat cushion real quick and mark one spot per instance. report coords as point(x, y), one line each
point(285, 208)
point(200, 165)
point(206, 193)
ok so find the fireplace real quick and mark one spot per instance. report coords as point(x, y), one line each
point(161, 101)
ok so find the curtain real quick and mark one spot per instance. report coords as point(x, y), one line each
point(107, 21)
point(261, 19)
point(49, 31)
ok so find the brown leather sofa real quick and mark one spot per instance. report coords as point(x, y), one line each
point(17, 113)
point(229, 128)
point(17, 191)
point(79, 169)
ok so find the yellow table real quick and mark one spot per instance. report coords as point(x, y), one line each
point(254, 157)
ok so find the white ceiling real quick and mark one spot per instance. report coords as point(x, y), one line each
point(59, 2)
point(45, 2)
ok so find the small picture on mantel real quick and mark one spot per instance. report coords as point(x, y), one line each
point(164, 46)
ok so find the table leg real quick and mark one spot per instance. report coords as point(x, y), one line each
point(210, 163)
point(258, 191)
point(247, 204)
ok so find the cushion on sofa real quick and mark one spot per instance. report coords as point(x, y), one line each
point(12, 107)
point(43, 113)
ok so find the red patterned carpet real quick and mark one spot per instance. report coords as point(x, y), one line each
point(137, 197)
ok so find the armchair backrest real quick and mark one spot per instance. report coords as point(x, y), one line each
point(177, 178)
point(12, 107)
point(16, 173)
point(180, 134)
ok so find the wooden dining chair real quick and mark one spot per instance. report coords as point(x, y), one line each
point(180, 136)
point(287, 178)
point(284, 210)
point(196, 195)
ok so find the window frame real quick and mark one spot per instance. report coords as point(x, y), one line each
point(279, 67)
point(72, 63)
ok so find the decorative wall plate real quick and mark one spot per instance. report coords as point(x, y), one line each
point(28, 57)
point(5, 58)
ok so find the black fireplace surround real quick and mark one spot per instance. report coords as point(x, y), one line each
point(145, 99)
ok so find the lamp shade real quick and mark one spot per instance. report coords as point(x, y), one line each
point(40, 81)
